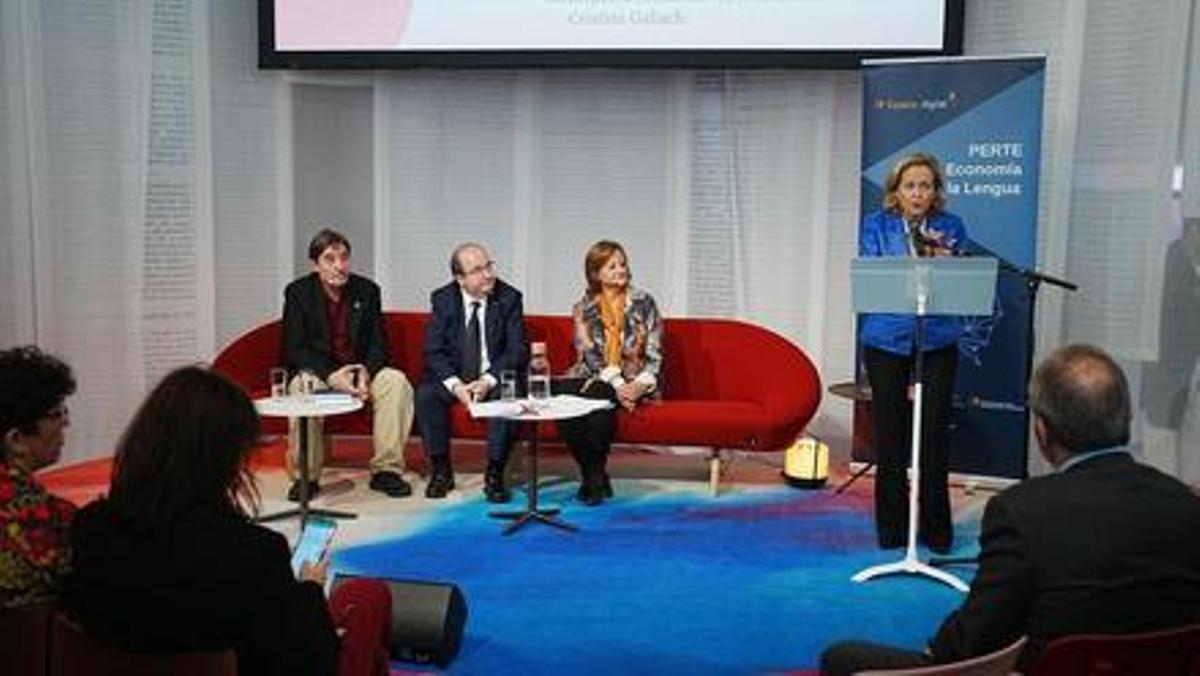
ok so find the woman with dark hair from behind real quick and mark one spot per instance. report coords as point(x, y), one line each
point(170, 560)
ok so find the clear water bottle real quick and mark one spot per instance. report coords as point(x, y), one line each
point(539, 372)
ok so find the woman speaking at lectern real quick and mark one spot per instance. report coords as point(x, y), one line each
point(911, 223)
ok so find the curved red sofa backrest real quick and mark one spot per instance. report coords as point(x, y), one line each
point(733, 360)
point(704, 359)
point(248, 358)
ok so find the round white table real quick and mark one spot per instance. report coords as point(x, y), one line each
point(534, 411)
point(305, 408)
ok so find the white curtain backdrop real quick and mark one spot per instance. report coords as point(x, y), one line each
point(76, 137)
point(146, 186)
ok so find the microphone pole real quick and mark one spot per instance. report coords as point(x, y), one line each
point(971, 248)
point(1033, 280)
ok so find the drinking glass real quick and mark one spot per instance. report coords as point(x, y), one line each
point(278, 383)
point(508, 385)
point(539, 372)
point(306, 388)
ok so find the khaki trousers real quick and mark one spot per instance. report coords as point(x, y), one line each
point(391, 404)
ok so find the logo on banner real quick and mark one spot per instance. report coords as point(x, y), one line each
point(932, 104)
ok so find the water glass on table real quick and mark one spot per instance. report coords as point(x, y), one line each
point(539, 372)
point(306, 387)
point(278, 383)
point(508, 385)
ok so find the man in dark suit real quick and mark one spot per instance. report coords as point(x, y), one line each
point(475, 334)
point(1103, 545)
point(334, 337)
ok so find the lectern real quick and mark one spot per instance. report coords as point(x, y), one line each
point(921, 286)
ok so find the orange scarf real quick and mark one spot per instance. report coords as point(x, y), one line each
point(612, 315)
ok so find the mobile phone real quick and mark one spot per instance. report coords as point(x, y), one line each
point(313, 542)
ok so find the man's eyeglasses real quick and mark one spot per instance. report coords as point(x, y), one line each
point(488, 267)
point(57, 414)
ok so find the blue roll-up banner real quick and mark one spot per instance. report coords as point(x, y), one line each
point(983, 119)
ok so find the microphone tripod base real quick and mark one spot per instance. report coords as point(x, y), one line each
point(910, 565)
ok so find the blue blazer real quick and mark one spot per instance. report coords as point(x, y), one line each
point(504, 329)
point(883, 233)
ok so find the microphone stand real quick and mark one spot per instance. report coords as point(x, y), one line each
point(1032, 277)
point(1033, 281)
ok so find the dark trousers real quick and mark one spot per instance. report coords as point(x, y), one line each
point(851, 657)
point(433, 416)
point(891, 416)
point(588, 437)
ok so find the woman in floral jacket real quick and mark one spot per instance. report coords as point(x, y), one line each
point(34, 525)
point(618, 345)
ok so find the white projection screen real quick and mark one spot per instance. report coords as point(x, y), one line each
point(582, 33)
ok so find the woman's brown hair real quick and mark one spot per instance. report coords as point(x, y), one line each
point(186, 451)
point(597, 257)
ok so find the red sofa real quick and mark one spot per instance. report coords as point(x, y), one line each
point(725, 384)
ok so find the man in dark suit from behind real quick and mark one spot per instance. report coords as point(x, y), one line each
point(475, 333)
point(1103, 545)
point(334, 337)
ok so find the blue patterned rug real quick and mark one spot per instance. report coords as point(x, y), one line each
point(666, 580)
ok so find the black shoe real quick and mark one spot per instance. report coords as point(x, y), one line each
point(940, 549)
point(591, 493)
point(293, 493)
point(441, 478)
point(390, 484)
point(493, 484)
point(439, 485)
point(607, 486)
point(940, 544)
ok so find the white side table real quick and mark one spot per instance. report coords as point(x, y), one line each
point(532, 411)
point(306, 408)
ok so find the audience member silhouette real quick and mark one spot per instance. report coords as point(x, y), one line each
point(171, 561)
point(1103, 545)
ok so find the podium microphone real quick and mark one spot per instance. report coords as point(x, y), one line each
point(925, 242)
point(924, 237)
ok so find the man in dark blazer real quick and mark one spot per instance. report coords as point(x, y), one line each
point(1103, 545)
point(475, 333)
point(334, 337)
